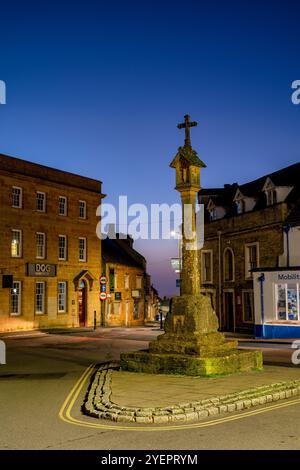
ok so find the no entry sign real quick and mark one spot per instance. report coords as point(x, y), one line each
point(103, 280)
point(103, 296)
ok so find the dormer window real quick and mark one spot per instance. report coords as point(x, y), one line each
point(213, 215)
point(271, 195)
point(243, 202)
point(240, 206)
point(275, 193)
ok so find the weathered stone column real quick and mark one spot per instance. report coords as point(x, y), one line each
point(190, 269)
point(191, 344)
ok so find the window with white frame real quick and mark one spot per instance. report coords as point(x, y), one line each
point(251, 258)
point(62, 247)
point(82, 249)
point(207, 263)
point(138, 282)
point(62, 205)
point(228, 265)
point(287, 301)
point(213, 214)
point(126, 281)
point(40, 245)
point(17, 197)
point(82, 209)
point(62, 296)
point(40, 297)
point(271, 196)
point(15, 299)
point(16, 243)
point(240, 206)
point(40, 201)
point(248, 309)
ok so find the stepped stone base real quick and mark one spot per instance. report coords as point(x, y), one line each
point(192, 345)
point(183, 364)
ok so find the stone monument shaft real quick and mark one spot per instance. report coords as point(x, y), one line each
point(191, 344)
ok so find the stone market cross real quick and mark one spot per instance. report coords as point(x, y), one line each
point(187, 124)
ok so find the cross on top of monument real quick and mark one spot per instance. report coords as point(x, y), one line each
point(187, 124)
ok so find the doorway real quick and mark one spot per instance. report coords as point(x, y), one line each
point(229, 311)
point(82, 303)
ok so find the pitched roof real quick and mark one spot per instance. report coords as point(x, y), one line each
point(189, 154)
point(289, 176)
point(120, 251)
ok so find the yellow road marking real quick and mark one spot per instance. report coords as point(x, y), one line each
point(65, 413)
point(77, 387)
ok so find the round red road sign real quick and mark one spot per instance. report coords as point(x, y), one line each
point(103, 280)
point(103, 296)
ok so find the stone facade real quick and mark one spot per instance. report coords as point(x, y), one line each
point(48, 291)
point(131, 299)
point(228, 235)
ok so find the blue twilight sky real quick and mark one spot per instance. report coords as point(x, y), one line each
point(98, 87)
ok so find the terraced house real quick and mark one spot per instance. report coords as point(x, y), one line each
point(50, 258)
point(251, 231)
point(131, 299)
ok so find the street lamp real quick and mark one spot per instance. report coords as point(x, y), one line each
point(177, 266)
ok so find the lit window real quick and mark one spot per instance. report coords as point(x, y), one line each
point(82, 249)
point(287, 300)
point(126, 281)
point(40, 201)
point(62, 205)
point(82, 209)
point(62, 296)
point(62, 247)
point(15, 299)
point(40, 245)
point(40, 297)
point(206, 266)
point(16, 244)
point(16, 197)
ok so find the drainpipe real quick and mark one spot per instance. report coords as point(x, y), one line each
point(219, 232)
point(261, 281)
point(286, 230)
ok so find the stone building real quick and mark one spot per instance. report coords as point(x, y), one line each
point(130, 299)
point(248, 227)
point(50, 258)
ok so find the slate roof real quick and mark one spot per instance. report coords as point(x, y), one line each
point(289, 176)
point(189, 154)
point(119, 251)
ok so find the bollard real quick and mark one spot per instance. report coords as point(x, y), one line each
point(2, 352)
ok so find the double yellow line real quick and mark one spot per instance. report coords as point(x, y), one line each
point(65, 413)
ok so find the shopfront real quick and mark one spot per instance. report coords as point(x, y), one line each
point(277, 302)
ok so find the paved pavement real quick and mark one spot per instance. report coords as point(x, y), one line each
point(167, 390)
point(42, 369)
